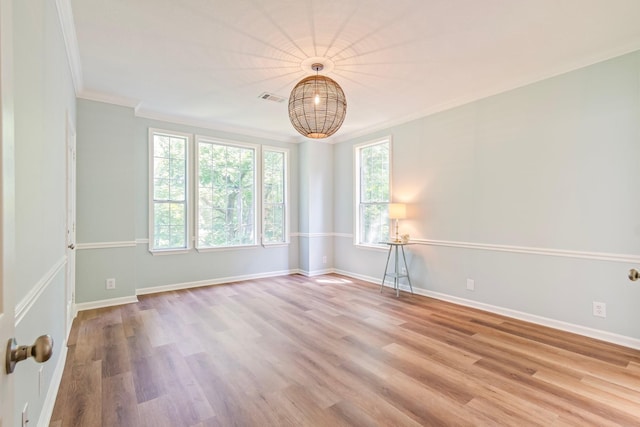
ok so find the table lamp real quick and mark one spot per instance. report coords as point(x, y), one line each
point(397, 211)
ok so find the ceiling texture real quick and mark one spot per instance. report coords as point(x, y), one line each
point(206, 62)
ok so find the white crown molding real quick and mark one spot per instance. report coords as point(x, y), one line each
point(106, 245)
point(492, 91)
point(65, 15)
point(598, 256)
point(91, 95)
point(220, 127)
point(527, 317)
point(29, 300)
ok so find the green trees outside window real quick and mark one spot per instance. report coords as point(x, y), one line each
point(169, 191)
point(211, 190)
point(226, 195)
point(373, 192)
point(274, 196)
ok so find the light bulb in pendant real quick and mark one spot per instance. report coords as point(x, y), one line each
point(316, 100)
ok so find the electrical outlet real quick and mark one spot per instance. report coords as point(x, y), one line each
point(471, 285)
point(324, 259)
point(111, 283)
point(599, 309)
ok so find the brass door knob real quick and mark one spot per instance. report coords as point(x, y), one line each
point(41, 351)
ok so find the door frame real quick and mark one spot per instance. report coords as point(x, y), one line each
point(7, 210)
point(70, 273)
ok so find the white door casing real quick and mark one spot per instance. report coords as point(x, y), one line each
point(7, 211)
point(70, 287)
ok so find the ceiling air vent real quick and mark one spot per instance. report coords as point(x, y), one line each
point(271, 97)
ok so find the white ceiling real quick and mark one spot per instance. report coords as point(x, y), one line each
point(205, 62)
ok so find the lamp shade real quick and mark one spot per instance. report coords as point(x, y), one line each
point(397, 210)
point(317, 106)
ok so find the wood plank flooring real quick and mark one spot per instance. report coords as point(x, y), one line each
point(333, 351)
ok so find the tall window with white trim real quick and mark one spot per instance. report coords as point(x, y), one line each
point(274, 196)
point(373, 191)
point(169, 214)
point(226, 194)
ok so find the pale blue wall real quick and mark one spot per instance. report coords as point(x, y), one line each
point(43, 98)
point(316, 206)
point(553, 165)
point(549, 166)
point(113, 207)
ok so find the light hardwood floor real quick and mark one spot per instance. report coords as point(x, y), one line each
point(333, 351)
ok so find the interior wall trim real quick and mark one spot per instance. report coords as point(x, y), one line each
point(515, 314)
point(313, 235)
point(106, 245)
point(24, 305)
point(54, 386)
point(314, 273)
point(210, 282)
point(111, 302)
point(599, 256)
point(65, 15)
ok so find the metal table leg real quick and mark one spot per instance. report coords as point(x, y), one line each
point(407, 268)
point(385, 269)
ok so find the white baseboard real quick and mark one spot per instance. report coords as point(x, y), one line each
point(105, 303)
point(515, 314)
point(210, 282)
point(54, 386)
point(316, 272)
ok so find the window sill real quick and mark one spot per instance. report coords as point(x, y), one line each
point(227, 248)
point(162, 252)
point(276, 245)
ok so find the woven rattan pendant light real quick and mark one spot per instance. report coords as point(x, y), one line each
point(317, 105)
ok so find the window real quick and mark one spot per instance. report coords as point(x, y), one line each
point(225, 180)
point(373, 192)
point(226, 194)
point(274, 196)
point(168, 223)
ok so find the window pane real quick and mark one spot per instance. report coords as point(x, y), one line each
point(274, 175)
point(226, 186)
point(169, 225)
point(169, 192)
point(374, 223)
point(373, 193)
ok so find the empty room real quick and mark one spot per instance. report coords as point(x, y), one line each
point(320, 213)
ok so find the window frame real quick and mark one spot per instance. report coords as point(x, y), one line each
point(151, 199)
point(286, 177)
point(357, 150)
point(257, 200)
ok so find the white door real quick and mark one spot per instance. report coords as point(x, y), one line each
point(7, 219)
point(71, 225)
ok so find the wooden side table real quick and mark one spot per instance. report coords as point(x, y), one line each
point(396, 275)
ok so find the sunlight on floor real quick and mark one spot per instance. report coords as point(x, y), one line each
point(333, 281)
